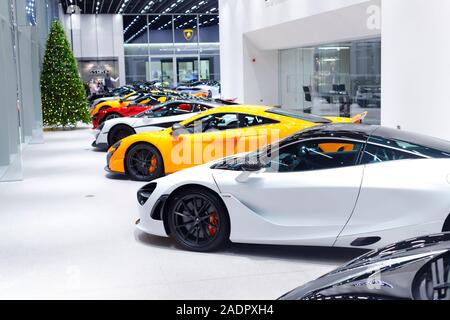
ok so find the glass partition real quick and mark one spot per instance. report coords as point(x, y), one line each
point(341, 79)
point(209, 47)
point(161, 35)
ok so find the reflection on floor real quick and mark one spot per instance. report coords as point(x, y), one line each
point(67, 231)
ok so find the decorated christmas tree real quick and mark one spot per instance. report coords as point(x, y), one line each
point(64, 100)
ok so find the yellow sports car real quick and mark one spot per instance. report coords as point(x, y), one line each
point(208, 136)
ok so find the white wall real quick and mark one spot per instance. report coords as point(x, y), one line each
point(416, 66)
point(97, 36)
point(252, 32)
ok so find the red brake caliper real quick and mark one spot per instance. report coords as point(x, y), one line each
point(214, 221)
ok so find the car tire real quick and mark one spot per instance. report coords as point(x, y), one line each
point(118, 133)
point(143, 162)
point(204, 223)
point(427, 280)
point(446, 227)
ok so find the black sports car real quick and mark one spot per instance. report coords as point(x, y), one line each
point(416, 269)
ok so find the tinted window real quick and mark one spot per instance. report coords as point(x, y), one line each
point(201, 108)
point(223, 121)
point(315, 155)
point(166, 110)
point(375, 154)
point(252, 121)
point(299, 115)
point(182, 108)
point(416, 143)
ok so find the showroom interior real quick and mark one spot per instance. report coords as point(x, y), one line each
point(73, 229)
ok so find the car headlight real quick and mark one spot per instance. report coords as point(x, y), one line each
point(115, 147)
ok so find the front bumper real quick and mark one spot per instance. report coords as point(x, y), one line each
point(150, 226)
point(150, 214)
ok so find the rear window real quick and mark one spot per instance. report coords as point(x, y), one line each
point(299, 115)
point(418, 144)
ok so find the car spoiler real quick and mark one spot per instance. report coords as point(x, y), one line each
point(359, 117)
point(227, 102)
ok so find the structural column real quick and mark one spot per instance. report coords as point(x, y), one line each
point(416, 65)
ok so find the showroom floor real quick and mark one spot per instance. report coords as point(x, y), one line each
point(67, 232)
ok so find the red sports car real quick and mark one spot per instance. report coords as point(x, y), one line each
point(128, 111)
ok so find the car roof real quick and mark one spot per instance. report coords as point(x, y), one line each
point(339, 130)
point(206, 103)
point(251, 109)
point(364, 132)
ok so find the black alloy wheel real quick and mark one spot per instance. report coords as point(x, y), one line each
point(118, 133)
point(199, 221)
point(433, 281)
point(144, 163)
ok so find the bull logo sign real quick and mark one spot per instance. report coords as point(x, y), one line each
point(188, 34)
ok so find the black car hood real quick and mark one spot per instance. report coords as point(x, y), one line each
point(386, 273)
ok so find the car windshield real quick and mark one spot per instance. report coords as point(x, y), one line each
point(299, 115)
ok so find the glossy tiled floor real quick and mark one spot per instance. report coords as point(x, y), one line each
point(67, 232)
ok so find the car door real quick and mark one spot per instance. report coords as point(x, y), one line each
point(403, 195)
point(209, 138)
point(219, 138)
point(305, 196)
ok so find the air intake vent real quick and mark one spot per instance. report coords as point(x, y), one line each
point(144, 194)
point(363, 242)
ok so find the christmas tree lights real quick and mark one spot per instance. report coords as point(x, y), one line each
point(64, 102)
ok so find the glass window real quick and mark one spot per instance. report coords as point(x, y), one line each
point(167, 110)
point(224, 121)
point(173, 49)
point(252, 121)
point(315, 155)
point(135, 34)
point(209, 28)
point(342, 79)
point(201, 108)
point(161, 35)
point(136, 68)
point(375, 154)
point(186, 31)
point(297, 156)
point(423, 146)
point(187, 70)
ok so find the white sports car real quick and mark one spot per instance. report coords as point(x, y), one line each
point(335, 185)
point(155, 119)
point(212, 88)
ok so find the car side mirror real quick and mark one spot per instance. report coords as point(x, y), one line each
point(247, 170)
point(177, 129)
point(252, 167)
